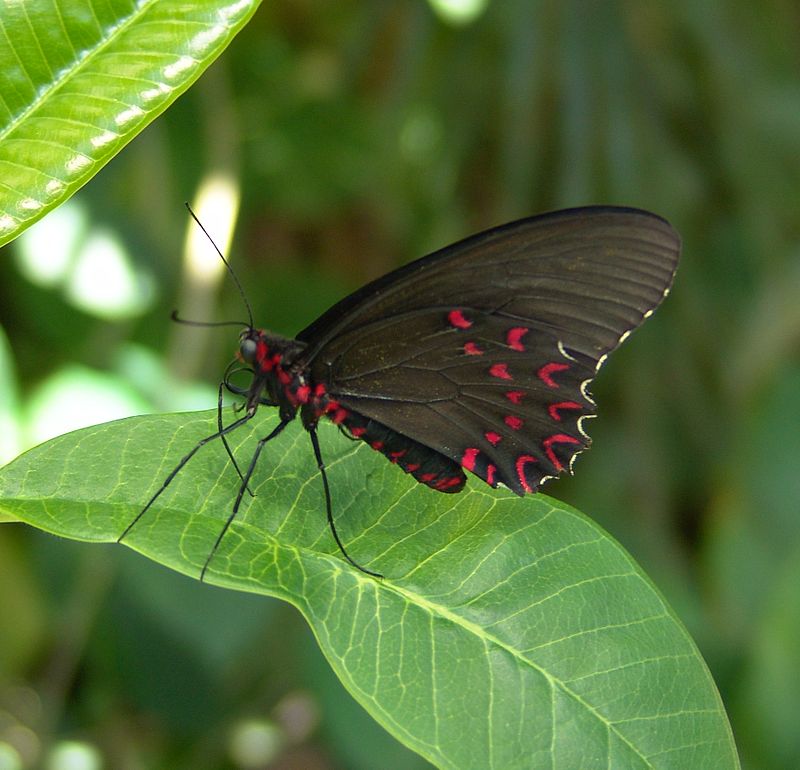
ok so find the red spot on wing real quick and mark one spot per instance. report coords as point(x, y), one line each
point(514, 337)
point(284, 377)
point(378, 445)
point(469, 457)
point(319, 390)
point(545, 374)
point(490, 471)
point(411, 467)
point(426, 477)
point(493, 438)
point(471, 349)
point(358, 432)
point(457, 319)
point(557, 438)
point(302, 394)
point(513, 422)
point(515, 396)
point(522, 461)
point(500, 371)
point(395, 456)
point(554, 408)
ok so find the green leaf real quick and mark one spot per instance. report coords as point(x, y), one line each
point(507, 633)
point(79, 79)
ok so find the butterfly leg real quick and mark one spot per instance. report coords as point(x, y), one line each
point(224, 438)
point(244, 485)
point(312, 431)
point(177, 469)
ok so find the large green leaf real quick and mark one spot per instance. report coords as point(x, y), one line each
point(507, 633)
point(79, 79)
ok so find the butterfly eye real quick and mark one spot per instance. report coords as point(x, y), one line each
point(248, 350)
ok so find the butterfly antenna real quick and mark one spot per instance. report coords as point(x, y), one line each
point(188, 322)
point(226, 263)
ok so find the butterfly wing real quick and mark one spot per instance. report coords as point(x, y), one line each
point(483, 351)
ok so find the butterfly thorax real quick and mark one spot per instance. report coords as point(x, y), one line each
point(281, 379)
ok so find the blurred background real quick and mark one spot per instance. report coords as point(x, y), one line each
point(335, 141)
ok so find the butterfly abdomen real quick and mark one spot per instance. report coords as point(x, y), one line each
point(426, 465)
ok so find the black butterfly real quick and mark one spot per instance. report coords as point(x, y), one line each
point(477, 357)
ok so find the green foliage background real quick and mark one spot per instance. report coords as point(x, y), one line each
point(363, 135)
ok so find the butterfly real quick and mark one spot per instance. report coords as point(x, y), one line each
point(476, 358)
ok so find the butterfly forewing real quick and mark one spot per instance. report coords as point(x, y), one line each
point(483, 351)
point(560, 259)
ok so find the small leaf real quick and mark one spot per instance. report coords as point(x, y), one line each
point(79, 80)
point(507, 633)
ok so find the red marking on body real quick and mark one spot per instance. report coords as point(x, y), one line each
point(500, 371)
point(271, 362)
point(261, 350)
point(490, 471)
point(469, 457)
point(553, 408)
point(471, 349)
point(557, 438)
point(302, 394)
point(522, 461)
point(340, 416)
point(514, 336)
point(545, 374)
point(378, 445)
point(513, 422)
point(457, 319)
point(411, 467)
point(426, 477)
point(515, 396)
point(284, 377)
point(493, 438)
point(358, 432)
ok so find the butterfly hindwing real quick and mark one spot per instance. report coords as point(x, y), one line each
point(504, 403)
